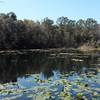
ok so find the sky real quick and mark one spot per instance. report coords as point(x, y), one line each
point(39, 9)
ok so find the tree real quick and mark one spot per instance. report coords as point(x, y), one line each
point(62, 23)
point(47, 25)
point(91, 26)
point(80, 31)
point(12, 15)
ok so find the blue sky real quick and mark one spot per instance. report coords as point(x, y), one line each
point(39, 9)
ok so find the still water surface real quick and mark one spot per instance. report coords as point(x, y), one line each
point(50, 76)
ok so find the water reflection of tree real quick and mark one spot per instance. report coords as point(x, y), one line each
point(13, 66)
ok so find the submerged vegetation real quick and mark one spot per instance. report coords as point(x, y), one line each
point(28, 34)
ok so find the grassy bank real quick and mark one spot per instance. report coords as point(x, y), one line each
point(85, 48)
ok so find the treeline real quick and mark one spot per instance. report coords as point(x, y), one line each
point(28, 34)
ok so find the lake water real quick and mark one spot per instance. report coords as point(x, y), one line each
point(70, 75)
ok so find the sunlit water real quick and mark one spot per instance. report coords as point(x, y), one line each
point(50, 76)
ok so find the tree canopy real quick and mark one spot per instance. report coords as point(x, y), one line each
point(28, 34)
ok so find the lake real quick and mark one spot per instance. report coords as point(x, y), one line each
point(41, 75)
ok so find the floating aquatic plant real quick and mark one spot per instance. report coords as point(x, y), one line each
point(78, 87)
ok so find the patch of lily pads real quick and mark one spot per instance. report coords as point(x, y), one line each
point(72, 86)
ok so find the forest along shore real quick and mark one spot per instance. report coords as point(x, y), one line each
point(63, 33)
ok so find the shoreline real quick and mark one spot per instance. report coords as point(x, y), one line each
point(22, 51)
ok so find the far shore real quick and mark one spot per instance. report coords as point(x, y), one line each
point(22, 51)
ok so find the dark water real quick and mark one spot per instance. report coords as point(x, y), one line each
point(23, 72)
